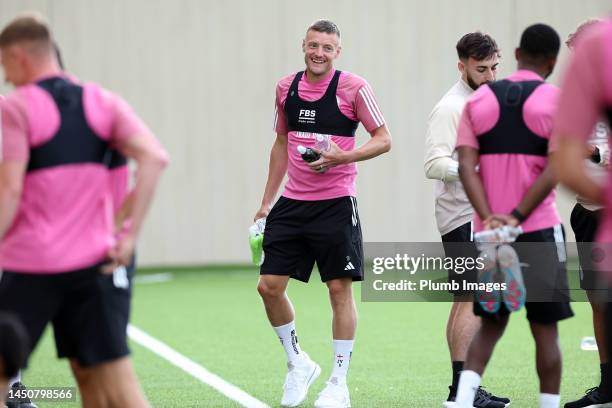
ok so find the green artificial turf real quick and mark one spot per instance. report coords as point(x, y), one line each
point(215, 317)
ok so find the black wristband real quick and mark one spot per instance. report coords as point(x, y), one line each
point(518, 215)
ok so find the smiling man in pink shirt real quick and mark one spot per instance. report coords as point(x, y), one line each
point(504, 130)
point(56, 227)
point(316, 219)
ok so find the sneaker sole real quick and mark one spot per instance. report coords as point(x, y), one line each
point(315, 374)
point(604, 405)
point(451, 404)
point(515, 294)
point(489, 301)
point(333, 406)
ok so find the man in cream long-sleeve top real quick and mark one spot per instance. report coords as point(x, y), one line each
point(478, 60)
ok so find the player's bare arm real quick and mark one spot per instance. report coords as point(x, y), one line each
point(124, 212)
point(468, 160)
point(540, 189)
point(276, 172)
point(379, 143)
point(151, 160)
point(12, 174)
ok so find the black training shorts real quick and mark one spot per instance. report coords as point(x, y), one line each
point(89, 310)
point(300, 233)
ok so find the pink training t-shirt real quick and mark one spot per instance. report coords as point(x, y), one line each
point(587, 96)
point(356, 101)
point(119, 178)
point(64, 220)
point(507, 177)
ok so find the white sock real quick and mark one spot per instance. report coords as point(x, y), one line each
point(343, 351)
point(15, 379)
point(469, 381)
point(549, 400)
point(289, 340)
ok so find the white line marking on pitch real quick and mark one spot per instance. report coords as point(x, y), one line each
point(153, 278)
point(194, 369)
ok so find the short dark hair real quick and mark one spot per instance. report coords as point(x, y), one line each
point(14, 345)
point(28, 27)
point(477, 45)
point(58, 56)
point(324, 26)
point(540, 42)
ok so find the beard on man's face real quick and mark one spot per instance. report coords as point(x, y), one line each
point(473, 83)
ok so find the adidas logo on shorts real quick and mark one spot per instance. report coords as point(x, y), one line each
point(349, 267)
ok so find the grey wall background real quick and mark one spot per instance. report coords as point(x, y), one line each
point(202, 73)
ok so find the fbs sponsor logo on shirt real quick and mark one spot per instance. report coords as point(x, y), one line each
point(307, 116)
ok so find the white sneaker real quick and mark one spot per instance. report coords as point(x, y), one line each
point(334, 395)
point(299, 378)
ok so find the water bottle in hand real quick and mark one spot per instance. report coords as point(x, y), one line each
point(308, 155)
point(494, 237)
point(256, 234)
point(322, 143)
